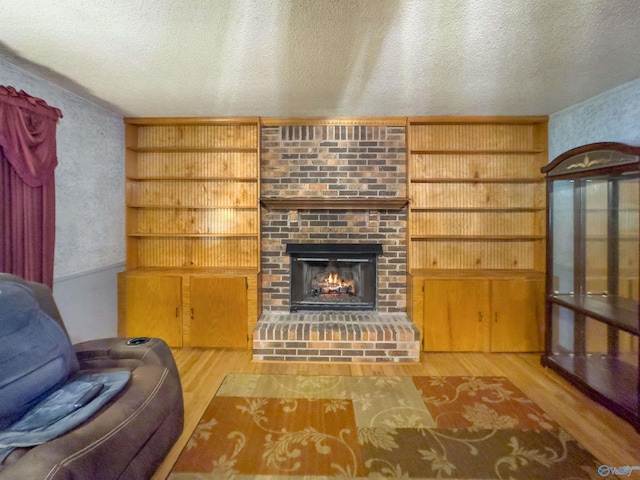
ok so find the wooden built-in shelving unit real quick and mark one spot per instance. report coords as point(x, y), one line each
point(192, 200)
point(477, 213)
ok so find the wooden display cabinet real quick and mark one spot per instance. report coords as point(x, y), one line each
point(477, 231)
point(592, 293)
point(192, 230)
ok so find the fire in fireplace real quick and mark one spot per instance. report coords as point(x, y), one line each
point(333, 276)
point(332, 283)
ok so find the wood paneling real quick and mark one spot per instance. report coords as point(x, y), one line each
point(193, 221)
point(470, 195)
point(472, 254)
point(187, 252)
point(475, 166)
point(192, 193)
point(508, 135)
point(194, 164)
point(465, 223)
point(197, 136)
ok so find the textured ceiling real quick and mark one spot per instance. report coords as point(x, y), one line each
point(326, 57)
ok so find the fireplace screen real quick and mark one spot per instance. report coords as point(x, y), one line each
point(333, 276)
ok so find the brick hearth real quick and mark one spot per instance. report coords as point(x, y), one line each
point(336, 337)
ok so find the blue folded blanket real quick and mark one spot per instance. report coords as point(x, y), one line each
point(62, 410)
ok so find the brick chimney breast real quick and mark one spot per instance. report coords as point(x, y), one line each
point(334, 162)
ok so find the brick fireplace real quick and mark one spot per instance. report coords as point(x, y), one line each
point(338, 184)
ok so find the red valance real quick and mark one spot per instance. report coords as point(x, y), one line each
point(28, 135)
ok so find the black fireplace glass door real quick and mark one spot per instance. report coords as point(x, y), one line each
point(333, 283)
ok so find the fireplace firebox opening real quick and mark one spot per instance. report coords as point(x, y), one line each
point(333, 276)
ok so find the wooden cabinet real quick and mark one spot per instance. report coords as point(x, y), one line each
point(517, 308)
point(153, 307)
point(482, 314)
point(218, 312)
point(194, 309)
point(592, 302)
point(192, 211)
point(456, 315)
point(477, 209)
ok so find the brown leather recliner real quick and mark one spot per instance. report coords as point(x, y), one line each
point(127, 438)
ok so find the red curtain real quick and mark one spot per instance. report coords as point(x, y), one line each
point(27, 194)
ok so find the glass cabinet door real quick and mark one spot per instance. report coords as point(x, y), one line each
point(562, 266)
point(628, 258)
point(562, 218)
point(629, 228)
point(595, 250)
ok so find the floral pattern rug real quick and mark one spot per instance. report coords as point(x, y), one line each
point(291, 427)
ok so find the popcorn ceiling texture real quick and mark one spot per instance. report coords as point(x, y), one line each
point(335, 161)
point(307, 58)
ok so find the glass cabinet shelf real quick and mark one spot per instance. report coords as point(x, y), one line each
point(619, 312)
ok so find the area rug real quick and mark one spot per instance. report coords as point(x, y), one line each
point(292, 427)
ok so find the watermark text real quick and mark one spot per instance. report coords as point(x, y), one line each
point(605, 470)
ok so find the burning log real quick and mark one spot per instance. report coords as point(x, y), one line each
point(332, 284)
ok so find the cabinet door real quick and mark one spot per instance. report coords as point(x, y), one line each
point(456, 315)
point(153, 308)
point(218, 312)
point(517, 310)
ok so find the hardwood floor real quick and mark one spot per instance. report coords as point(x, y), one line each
point(613, 441)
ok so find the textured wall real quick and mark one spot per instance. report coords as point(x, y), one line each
point(89, 177)
point(613, 116)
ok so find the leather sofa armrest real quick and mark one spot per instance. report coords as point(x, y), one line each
point(125, 353)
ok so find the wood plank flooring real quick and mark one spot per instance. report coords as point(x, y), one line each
point(613, 441)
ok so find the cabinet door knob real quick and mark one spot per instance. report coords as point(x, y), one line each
point(495, 317)
point(177, 310)
point(480, 316)
point(192, 314)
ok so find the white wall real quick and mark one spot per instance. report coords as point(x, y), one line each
point(89, 206)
